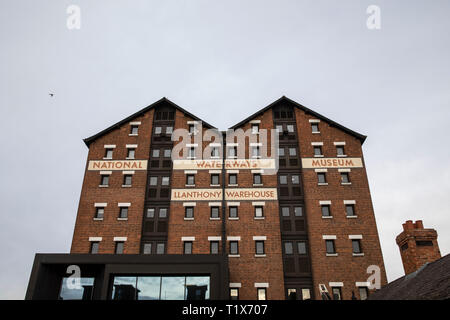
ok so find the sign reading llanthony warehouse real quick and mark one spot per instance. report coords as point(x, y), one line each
point(315, 163)
point(118, 165)
point(230, 194)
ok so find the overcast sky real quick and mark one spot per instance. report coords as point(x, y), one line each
point(222, 61)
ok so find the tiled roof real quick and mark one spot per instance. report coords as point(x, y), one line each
point(430, 282)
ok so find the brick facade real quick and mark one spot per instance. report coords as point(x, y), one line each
point(247, 269)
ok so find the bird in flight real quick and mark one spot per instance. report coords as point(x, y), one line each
point(51, 94)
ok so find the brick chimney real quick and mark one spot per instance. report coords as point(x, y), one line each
point(417, 245)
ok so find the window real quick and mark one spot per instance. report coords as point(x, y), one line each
point(326, 212)
point(104, 180)
point(153, 181)
point(215, 152)
point(257, 178)
point(293, 152)
point(191, 153)
point(340, 150)
point(301, 247)
point(288, 248)
point(187, 245)
point(160, 248)
point(127, 179)
point(350, 210)
point(234, 247)
point(259, 247)
point(285, 212)
point(255, 128)
point(109, 153)
point(214, 179)
point(337, 294)
point(233, 212)
point(158, 130)
point(99, 212)
point(189, 212)
point(151, 213)
point(290, 128)
point(259, 212)
point(169, 130)
point(345, 177)
point(192, 129)
point(131, 153)
point(298, 211)
point(147, 248)
point(232, 178)
point(214, 212)
point(306, 294)
point(315, 127)
point(317, 151)
point(167, 153)
point(190, 179)
point(123, 213)
point(295, 179)
point(261, 293)
point(119, 247)
point(165, 181)
point(155, 153)
point(363, 293)
point(424, 243)
point(232, 152)
point(330, 246)
point(283, 179)
point(94, 247)
point(234, 294)
point(356, 245)
point(134, 130)
point(163, 212)
point(214, 247)
point(281, 152)
point(321, 177)
point(279, 128)
point(256, 152)
point(292, 294)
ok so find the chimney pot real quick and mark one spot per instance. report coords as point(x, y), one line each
point(419, 224)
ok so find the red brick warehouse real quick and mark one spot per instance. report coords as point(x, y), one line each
point(283, 235)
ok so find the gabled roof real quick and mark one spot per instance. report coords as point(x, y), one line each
point(430, 282)
point(359, 136)
point(88, 141)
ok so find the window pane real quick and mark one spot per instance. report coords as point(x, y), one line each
point(163, 213)
point(298, 211)
point(172, 288)
point(105, 180)
point(315, 127)
point(257, 178)
point(325, 211)
point(153, 181)
point(124, 288)
point(233, 212)
point(169, 130)
point(157, 130)
point(119, 247)
point(123, 212)
point(363, 293)
point(233, 179)
point(147, 248)
point(150, 213)
point(290, 128)
point(340, 151)
point(258, 211)
point(321, 177)
point(317, 151)
point(330, 246)
point(292, 151)
point(283, 179)
point(189, 212)
point(160, 248)
point(214, 212)
point(279, 128)
point(155, 153)
point(301, 246)
point(344, 177)
point(167, 153)
point(215, 179)
point(190, 179)
point(288, 248)
point(259, 247)
point(295, 179)
point(131, 153)
point(94, 247)
point(234, 247)
point(165, 181)
point(306, 294)
point(134, 129)
point(262, 294)
point(285, 211)
point(148, 288)
point(356, 246)
point(281, 152)
point(234, 294)
point(214, 247)
point(187, 247)
point(197, 288)
point(350, 210)
point(83, 293)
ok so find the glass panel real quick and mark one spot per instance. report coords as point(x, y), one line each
point(160, 248)
point(163, 212)
point(157, 130)
point(197, 288)
point(234, 294)
point(259, 247)
point(214, 247)
point(325, 211)
point(292, 151)
point(155, 153)
point(234, 247)
point(285, 211)
point(290, 128)
point(169, 130)
point(172, 288)
point(306, 294)
point(288, 248)
point(321, 177)
point(187, 247)
point(298, 211)
point(315, 127)
point(262, 294)
point(363, 293)
point(151, 213)
point(233, 212)
point(148, 288)
point(292, 294)
point(167, 153)
point(147, 248)
point(317, 151)
point(165, 181)
point(340, 151)
point(214, 212)
point(344, 177)
point(356, 246)
point(258, 211)
point(301, 246)
point(124, 288)
point(69, 291)
point(295, 179)
point(153, 181)
point(281, 152)
point(349, 209)
point(330, 246)
point(283, 179)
